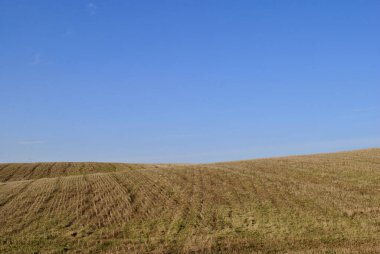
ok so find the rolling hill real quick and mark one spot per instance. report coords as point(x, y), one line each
point(299, 204)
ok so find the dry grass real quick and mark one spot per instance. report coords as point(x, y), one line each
point(325, 203)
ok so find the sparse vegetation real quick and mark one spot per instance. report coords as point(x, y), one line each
point(327, 203)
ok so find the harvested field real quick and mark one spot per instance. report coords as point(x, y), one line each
point(324, 203)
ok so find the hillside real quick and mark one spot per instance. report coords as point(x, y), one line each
point(312, 203)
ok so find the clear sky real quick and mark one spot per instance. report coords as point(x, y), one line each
point(187, 80)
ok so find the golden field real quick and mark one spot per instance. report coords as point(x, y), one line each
point(323, 203)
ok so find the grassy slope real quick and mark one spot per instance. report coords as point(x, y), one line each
point(295, 204)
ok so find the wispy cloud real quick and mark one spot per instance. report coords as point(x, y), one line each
point(31, 142)
point(91, 8)
point(36, 59)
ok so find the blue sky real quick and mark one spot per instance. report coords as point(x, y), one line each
point(187, 80)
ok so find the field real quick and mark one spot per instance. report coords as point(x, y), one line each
point(323, 203)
